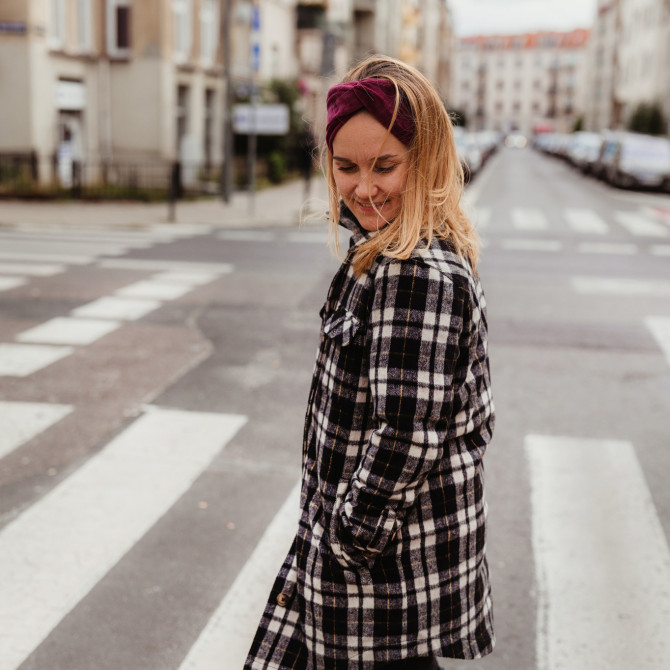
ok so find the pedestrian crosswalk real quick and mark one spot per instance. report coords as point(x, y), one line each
point(527, 228)
point(600, 557)
point(56, 550)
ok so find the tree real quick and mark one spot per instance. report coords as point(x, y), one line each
point(648, 118)
point(458, 117)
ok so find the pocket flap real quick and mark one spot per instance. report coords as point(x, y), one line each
point(342, 326)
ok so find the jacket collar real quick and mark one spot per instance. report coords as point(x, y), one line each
point(350, 222)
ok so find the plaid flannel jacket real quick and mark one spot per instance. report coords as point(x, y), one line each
point(389, 558)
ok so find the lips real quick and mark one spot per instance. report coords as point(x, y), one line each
point(368, 206)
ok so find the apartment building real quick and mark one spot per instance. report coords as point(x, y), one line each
point(128, 81)
point(628, 62)
point(334, 34)
point(526, 82)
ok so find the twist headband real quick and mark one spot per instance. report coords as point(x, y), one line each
point(376, 96)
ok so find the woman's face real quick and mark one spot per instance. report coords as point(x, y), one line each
point(358, 182)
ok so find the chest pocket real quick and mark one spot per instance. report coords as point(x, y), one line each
point(343, 327)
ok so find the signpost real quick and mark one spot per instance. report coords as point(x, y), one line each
point(261, 119)
point(255, 61)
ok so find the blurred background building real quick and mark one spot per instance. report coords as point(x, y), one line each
point(527, 83)
point(113, 89)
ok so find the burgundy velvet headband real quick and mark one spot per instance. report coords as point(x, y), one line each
point(376, 96)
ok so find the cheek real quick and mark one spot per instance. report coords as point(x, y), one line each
point(342, 184)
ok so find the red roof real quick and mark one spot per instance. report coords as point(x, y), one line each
point(570, 39)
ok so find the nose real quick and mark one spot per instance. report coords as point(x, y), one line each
point(366, 189)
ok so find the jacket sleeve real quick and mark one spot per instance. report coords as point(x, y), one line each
point(417, 323)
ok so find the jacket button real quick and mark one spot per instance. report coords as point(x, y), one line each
point(282, 600)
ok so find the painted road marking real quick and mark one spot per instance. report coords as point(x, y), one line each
point(247, 235)
point(524, 218)
point(190, 277)
point(21, 360)
point(54, 553)
point(660, 329)
point(602, 560)
point(620, 286)
point(123, 309)
point(158, 265)
point(636, 224)
point(607, 248)
point(68, 330)
point(21, 421)
point(157, 290)
point(482, 217)
point(531, 245)
point(226, 639)
point(661, 250)
point(585, 221)
point(68, 259)
point(67, 247)
point(8, 283)
point(32, 270)
point(309, 237)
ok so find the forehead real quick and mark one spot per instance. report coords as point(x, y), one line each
point(363, 136)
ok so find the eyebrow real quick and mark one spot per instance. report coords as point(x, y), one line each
point(379, 158)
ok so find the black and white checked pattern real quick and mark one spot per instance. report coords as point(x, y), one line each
point(389, 558)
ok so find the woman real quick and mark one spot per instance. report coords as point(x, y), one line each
point(388, 566)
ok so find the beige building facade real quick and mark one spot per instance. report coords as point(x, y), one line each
point(334, 34)
point(526, 83)
point(628, 61)
point(136, 82)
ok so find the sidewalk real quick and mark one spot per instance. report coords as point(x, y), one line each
point(283, 205)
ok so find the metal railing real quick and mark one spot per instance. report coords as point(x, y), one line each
point(26, 175)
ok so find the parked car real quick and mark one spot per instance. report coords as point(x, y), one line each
point(469, 153)
point(584, 149)
point(633, 160)
point(554, 144)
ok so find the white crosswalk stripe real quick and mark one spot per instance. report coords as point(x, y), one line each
point(621, 286)
point(21, 421)
point(660, 329)
point(95, 516)
point(600, 557)
point(31, 269)
point(531, 245)
point(21, 360)
point(68, 330)
point(528, 218)
point(111, 307)
point(229, 632)
point(482, 217)
point(585, 221)
point(615, 248)
point(8, 283)
point(639, 225)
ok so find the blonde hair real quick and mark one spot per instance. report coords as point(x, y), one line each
point(431, 201)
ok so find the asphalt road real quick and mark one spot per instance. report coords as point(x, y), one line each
point(152, 390)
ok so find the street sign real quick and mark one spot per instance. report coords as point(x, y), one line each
point(261, 119)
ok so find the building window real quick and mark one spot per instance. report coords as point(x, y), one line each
point(183, 29)
point(84, 33)
point(118, 28)
point(182, 115)
point(57, 23)
point(209, 31)
point(209, 127)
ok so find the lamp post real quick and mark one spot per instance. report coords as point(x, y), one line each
point(226, 37)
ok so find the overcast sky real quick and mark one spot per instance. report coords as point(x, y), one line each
point(490, 17)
